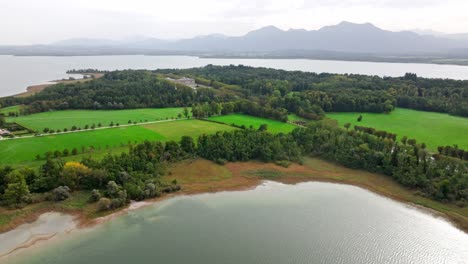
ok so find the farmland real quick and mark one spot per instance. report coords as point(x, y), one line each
point(25, 150)
point(240, 119)
point(434, 129)
point(194, 128)
point(10, 109)
point(80, 118)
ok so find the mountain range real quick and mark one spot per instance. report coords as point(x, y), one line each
point(344, 39)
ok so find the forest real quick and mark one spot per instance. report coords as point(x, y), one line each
point(307, 94)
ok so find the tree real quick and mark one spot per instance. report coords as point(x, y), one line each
point(73, 173)
point(347, 125)
point(359, 119)
point(186, 112)
point(263, 127)
point(404, 140)
point(104, 204)
point(61, 193)
point(187, 144)
point(112, 189)
point(95, 196)
point(2, 120)
point(46, 130)
point(17, 190)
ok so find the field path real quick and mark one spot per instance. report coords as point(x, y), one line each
point(97, 128)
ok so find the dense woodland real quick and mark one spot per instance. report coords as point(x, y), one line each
point(306, 94)
point(340, 92)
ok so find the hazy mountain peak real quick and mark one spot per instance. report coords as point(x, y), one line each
point(349, 26)
point(265, 31)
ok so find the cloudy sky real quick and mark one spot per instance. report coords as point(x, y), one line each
point(43, 21)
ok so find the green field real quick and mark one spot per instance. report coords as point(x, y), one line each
point(24, 150)
point(246, 120)
point(9, 109)
point(68, 118)
point(194, 128)
point(294, 117)
point(434, 129)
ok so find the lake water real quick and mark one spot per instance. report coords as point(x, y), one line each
point(273, 224)
point(16, 73)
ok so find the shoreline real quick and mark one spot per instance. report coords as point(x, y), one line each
point(239, 181)
point(33, 89)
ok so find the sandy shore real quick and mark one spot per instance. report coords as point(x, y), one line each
point(33, 89)
point(46, 227)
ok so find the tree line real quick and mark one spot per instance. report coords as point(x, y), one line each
point(341, 92)
point(306, 94)
point(136, 175)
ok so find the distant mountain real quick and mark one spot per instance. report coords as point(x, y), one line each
point(344, 38)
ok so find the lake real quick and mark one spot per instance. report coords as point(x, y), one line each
point(274, 223)
point(18, 72)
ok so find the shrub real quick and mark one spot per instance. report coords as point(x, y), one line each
point(283, 163)
point(61, 193)
point(95, 196)
point(221, 161)
point(104, 204)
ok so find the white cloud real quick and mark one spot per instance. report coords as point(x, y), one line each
point(32, 21)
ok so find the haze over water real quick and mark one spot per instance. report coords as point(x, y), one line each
point(275, 224)
point(18, 72)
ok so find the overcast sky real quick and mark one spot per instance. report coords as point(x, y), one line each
point(43, 21)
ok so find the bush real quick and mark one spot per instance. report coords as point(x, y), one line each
point(221, 161)
point(61, 193)
point(283, 163)
point(104, 204)
point(95, 196)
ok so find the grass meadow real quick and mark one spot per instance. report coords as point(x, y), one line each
point(274, 126)
point(24, 151)
point(434, 129)
point(80, 118)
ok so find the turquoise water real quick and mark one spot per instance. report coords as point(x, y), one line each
point(16, 73)
point(275, 223)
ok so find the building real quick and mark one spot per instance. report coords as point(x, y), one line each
point(185, 81)
point(4, 132)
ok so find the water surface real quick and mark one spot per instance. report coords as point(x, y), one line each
point(273, 224)
point(18, 72)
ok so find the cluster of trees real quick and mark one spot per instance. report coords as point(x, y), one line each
point(239, 106)
point(134, 175)
point(373, 131)
point(248, 144)
point(115, 90)
point(453, 151)
point(341, 92)
point(436, 176)
point(2, 120)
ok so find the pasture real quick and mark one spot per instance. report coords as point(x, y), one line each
point(434, 129)
point(194, 128)
point(25, 150)
point(80, 118)
point(274, 126)
point(9, 109)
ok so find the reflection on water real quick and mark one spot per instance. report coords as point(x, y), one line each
point(275, 223)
